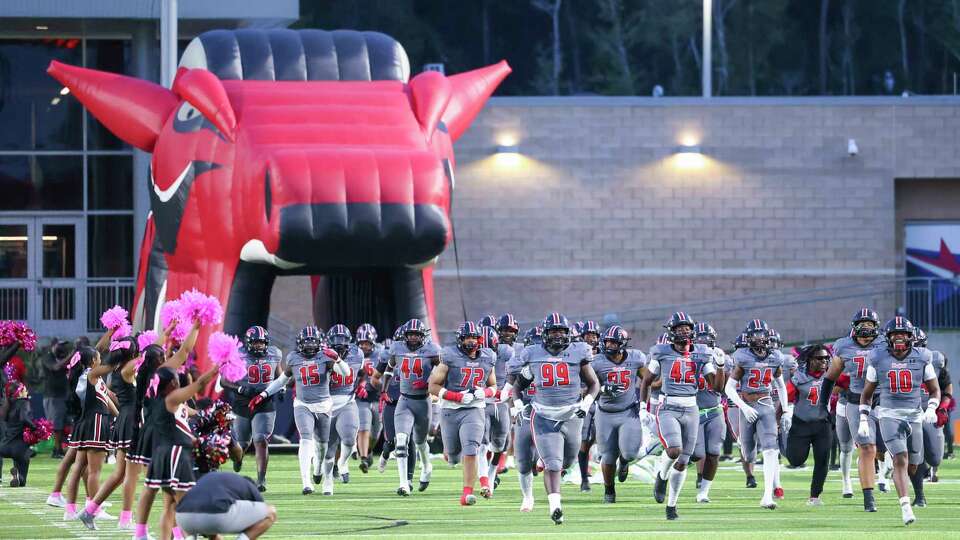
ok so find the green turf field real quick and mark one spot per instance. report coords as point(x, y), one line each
point(367, 506)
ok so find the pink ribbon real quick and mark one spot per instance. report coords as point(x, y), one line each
point(73, 360)
point(154, 384)
point(115, 345)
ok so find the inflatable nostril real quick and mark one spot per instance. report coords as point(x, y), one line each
point(266, 194)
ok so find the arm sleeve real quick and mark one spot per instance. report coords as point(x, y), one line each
point(342, 368)
point(928, 372)
point(730, 389)
point(277, 384)
point(781, 392)
point(654, 367)
point(872, 373)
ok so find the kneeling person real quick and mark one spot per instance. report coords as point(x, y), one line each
point(225, 503)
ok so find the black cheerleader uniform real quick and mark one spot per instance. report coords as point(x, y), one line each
point(93, 430)
point(142, 450)
point(125, 428)
point(17, 419)
point(171, 466)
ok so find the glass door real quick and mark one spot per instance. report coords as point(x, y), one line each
point(58, 256)
point(16, 269)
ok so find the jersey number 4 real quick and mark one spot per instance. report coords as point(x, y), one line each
point(814, 396)
point(554, 374)
point(901, 381)
point(472, 377)
point(259, 374)
point(683, 371)
point(415, 366)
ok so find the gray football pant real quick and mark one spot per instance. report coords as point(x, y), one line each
point(901, 436)
point(462, 431)
point(413, 415)
point(557, 441)
point(710, 433)
point(497, 426)
point(677, 427)
point(344, 424)
point(762, 432)
point(619, 434)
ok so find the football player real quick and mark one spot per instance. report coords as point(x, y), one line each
point(897, 374)
point(310, 367)
point(411, 360)
point(557, 369)
point(523, 444)
point(497, 412)
point(756, 371)
point(463, 381)
point(678, 418)
point(619, 431)
point(263, 365)
point(850, 358)
point(344, 414)
point(713, 427)
point(933, 439)
point(368, 394)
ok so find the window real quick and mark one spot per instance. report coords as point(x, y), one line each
point(110, 246)
point(110, 182)
point(38, 182)
point(106, 55)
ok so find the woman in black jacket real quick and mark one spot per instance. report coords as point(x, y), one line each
point(17, 420)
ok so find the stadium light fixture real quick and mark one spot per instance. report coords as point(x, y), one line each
point(508, 149)
point(689, 156)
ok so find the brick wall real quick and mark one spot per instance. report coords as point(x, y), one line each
point(597, 215)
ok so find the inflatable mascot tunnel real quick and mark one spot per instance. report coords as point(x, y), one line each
point(282, 152)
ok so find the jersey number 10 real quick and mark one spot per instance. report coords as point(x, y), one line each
point(901, 381)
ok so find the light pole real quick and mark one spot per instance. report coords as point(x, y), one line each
point(168, 42)
point(707, 66)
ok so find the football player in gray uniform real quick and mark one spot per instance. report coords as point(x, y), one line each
point(310, 367)
point(933, 438)
point(412, 360)
point(263, 365)
point(463, 381)
point(557, 368)
point(850, 358)
point(713, 426)
point(344, 414)
point(677, 415)
point(756, 372)
point(897, 374)
point(619, 431)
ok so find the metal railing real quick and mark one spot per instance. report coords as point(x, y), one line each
point(13, 302)
point(103, 294)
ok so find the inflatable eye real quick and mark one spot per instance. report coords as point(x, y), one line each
point(188, 119)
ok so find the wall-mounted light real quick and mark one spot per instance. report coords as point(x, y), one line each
point(508, 149)
point(689, 156)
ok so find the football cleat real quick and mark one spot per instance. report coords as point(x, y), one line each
point(526, 505)
point(307, 490)
point(623, 470)
point(261, 488)
point(423, 485)
point(672, 513)
point(702, 498)
point(585, 485)
point(907, 512)
point(468, 500)
point(609, 497)
point(317, 478)
point(920, 501)
point(102, 515)
point(345, 478)
point(869, 504)
point(365, 464)
point(882, 485)
point(557, 516)
point(768, 504)
point(751, 482)
point(403, 491)
point(486, 492)
point(659, 489)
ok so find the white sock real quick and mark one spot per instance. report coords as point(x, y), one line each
point(885, 467)
point(426, 468)
point(526, 485)
point(664, 466)
point(553, 499)
point(905, 501)
point(243, 536)
point(482, 464)
point(705, 487)
point(846, 459)
point(327, 468)
point(776, 475)
point(492, 470)
point(344, 462)
point(401, 442)
point(675, 480)
point(321, 455)
point(305, 453)
point(770, 466)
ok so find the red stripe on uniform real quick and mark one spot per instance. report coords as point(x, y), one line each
point(656, 417)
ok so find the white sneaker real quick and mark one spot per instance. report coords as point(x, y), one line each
point(102, 515)
point(702, 498)
point(814, 501)
point(907, 512)
point(527, 504)
point(56, 500)
point(69, 516)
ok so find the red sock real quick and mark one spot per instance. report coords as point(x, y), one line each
point(484, 482)
point(467, 490)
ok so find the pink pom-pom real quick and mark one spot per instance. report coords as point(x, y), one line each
point(114, 317)
point(169, 312)
point(122, 331)
point(224, 350)
point(147, 338)
point(17, 332)
point(196, 306)
point(181, 331)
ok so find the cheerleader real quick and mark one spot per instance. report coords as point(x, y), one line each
point(171, 466)
point(92, 433)
point(125, 430)
point(17, 419)
point(150, 404)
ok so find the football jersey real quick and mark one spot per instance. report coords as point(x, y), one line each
point(504, 354)
point(938, 361)
point(557, 378)
point(310, 376)
point(678, 371)
point(855, 359)
point(515, 366)
point(899, 381)
point(343, 386)
point(624, 373)
point(707, 398)
point(260, 371)
point(369, 365)
point(758, 373)
point(465, 374)
point(807, 407)
point(413, 368)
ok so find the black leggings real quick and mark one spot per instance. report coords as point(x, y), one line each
point(804, 435)
point(389, 437)
point(21, 453)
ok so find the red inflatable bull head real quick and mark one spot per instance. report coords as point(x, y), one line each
point(292, 152)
